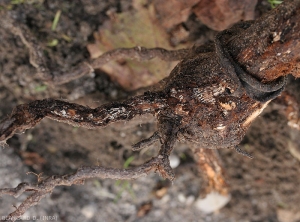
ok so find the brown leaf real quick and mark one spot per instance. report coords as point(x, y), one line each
point(138, 27)
point(173, 12)
point(221, 14)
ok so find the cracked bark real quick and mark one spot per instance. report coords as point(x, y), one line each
point(267, 49)
point(271, 47)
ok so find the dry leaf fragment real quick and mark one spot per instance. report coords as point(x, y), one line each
point(173, 12)
point(138, 27)
point(221, 14)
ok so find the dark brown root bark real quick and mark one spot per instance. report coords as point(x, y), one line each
point(28, 115)
point(205, 99)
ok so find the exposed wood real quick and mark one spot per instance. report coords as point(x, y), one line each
point(210, 167)
point(270, 48)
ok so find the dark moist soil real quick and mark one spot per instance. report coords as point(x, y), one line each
point(263, 189)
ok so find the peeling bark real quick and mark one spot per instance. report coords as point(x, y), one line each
point(210, 98)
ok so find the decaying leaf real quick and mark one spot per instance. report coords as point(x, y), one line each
point(173, 16)
point(147, 25)
point(138, 27)
point(216, 14)
point(221, 14)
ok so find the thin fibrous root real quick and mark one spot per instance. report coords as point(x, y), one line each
point(146, 142)
point(243, 152)
point(39, 61)
point(136, 53)
point(41, 189)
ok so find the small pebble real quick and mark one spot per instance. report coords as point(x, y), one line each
point(88, 211)
point(189, 200)
point(181, 198)
point(165, 199)
point(174, 161)
point(212, 202)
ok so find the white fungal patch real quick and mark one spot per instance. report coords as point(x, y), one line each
point(206, 95)
point(99, 122)
point(114, 113)
point(56, 113)
point(220, 127)
point(218, 91)
point(276, 36)
point(160, 105)
point(177, 94)
point(61, 113)
point(180, 97)
point(173, 90)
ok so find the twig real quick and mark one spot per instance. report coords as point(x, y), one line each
point(137, 53)
point(39, 61)
point(46, 186)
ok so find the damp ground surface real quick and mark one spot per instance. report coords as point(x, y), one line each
point(265, 188)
